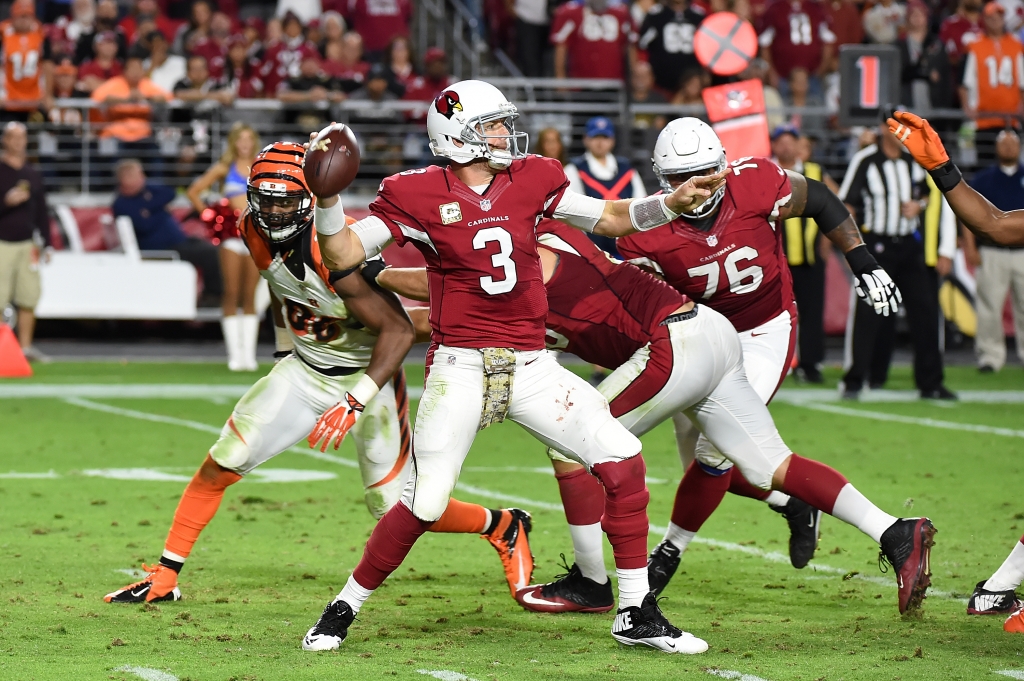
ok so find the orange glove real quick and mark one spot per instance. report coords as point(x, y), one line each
point(920, 139)
point(335, 423)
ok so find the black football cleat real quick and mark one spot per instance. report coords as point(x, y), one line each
point(985, 602)
point(661, 565)
point(804, 529)
point(907, 545)
point(648, 627)
point(571, 592)
point(331, 629)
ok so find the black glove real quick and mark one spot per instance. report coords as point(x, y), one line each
point(372, 269)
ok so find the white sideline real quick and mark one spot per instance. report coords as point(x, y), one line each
point(914, 420)
point(772, 556)
point(445, 675)
point(730, 674)
point(1012, 673)
point(147, 673)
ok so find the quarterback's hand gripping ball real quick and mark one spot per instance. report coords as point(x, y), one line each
point(335, 423)
point(331, 160)
point(920, 139)
point(877, 289)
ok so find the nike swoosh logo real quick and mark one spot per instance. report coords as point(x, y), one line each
point(531, 361)
point(670, 645)
point(899, 578)
point(136, 594)
point(533, 600)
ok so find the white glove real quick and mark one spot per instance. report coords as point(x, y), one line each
point(877, 289)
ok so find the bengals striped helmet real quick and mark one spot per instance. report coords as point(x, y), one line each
point(280, 203)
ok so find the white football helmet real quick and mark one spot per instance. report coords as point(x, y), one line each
point(687, 147)
point(460, 114)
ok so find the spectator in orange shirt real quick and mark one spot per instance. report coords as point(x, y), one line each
point(993, 78)
point(25, 51)
point(127, 103)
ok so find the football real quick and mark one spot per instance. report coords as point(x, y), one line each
point(331, 161)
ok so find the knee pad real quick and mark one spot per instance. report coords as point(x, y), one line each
point(625, 485)
point(231, 451)
point(380, 499)
point(613, 443)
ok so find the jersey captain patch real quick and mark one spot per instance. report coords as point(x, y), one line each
point(450, 212)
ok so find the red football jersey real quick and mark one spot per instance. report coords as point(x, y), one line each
point(599, 309)
point(957, 32)
point(485, 280)
point(379, 21)
point(596, 43)
point(281, 61)
point(738, 267)
point(796, 32)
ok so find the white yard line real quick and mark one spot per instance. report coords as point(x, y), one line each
point(445, 675)
point(730, 674)
point(1012, 673)
point(15, 475)
point(914, 420)
point(147, 673)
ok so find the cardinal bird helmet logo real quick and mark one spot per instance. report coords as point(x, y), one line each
point(448, 103)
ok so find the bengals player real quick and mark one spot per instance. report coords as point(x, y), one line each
point(341, 344)
point(672, 356)
point(27, 62)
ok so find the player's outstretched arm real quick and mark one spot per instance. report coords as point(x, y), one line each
point(410, 282)
point(340, 246)
point(974, 210)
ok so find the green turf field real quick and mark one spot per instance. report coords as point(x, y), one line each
point(278, 551)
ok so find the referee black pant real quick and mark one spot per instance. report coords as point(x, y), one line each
point(809, 289)
point(872, 342)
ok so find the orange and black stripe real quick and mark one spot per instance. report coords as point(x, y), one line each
point(405, 432)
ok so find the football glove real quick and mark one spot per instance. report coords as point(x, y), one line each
point(877, 289)
point(920, 139)
point(335, 423)
point(372, 268)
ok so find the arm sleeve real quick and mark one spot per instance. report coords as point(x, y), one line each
point(373, 234)
point(970, 81)
point(582, 212)
point(389, 209)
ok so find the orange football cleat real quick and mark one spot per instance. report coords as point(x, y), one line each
point(1015, 622)
point(920, 139)
point(161, 584)
point(511, 540)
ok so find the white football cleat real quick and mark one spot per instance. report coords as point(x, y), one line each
point(647, 626)
point(331, 629)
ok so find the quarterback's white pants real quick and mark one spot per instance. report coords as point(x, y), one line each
point(558, 407)
point(281, 408)
point(696, 369)
point(767, 353)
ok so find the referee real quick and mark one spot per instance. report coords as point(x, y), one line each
point(912, 233)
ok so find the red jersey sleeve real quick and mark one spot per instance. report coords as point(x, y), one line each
point(388, 206)
point(763, 185)
point(549, 172)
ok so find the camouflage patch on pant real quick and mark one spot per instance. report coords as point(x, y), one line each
point(499, 370)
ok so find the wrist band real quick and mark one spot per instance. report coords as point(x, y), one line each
point(329, 221)
point(364, 390)
point(861, 260)
point(946, 176)
point(649, 213)
point(283, 340)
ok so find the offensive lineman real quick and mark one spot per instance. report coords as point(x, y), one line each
point(474, 221)
point(345, 341)
point(997, 594)
point(672, 356)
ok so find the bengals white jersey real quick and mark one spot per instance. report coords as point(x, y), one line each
point(325, 334)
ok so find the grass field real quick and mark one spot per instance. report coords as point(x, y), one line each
point(278, 551)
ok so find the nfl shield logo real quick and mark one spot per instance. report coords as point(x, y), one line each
point(485, 204)
point(712, 241)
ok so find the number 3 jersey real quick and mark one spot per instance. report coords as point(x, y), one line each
point(324, 333)
point(738, 266)
point(483, 270)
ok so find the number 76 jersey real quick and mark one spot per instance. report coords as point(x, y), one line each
point(738, 267)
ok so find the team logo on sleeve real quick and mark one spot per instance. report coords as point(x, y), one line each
point(450, 212)
point(447, 103)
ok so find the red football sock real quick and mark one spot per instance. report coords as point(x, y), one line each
point(388, 545)
point(739, 485)
point(625, 510)
point(814, 483)
point(698, 495)
point(460, 517)
point(198, 505)
point(582, 497)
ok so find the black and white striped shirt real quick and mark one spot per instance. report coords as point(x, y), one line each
point(876, 186)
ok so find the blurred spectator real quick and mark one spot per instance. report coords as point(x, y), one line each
point(104, 66)
point(845, 21)
point(60, 144)
point(592, 39)
point(533, 26)
point(253, 31)
point(643, 92)
point(379, 22)
point(638, 10)
point(283, 59)
point(667, 36)
point(164, 69)
point(800, 95)
point(435, 78)
point(200, 88)
point(66, 30)
point(774, 108)
point(305, 92)
point(348, 69)
point(550, 145)
point(601, 174)
point(215, 45)
point(884, 21)
point(961, 29)
point(126, 104)
point(25, 51)
point(241, 72)
point(398, 58)
point(157, 230)
point(198, 26)
point(24, 227)
point(378, 140)
point(1000, 268)
point(797, 35)
point(305, 10)
point(65, 86)
point(147, 11)
point(273, 33)
point(332, 27)
point(691, 84)
point(106, 20)
point(993, 78)
point(924, 82)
